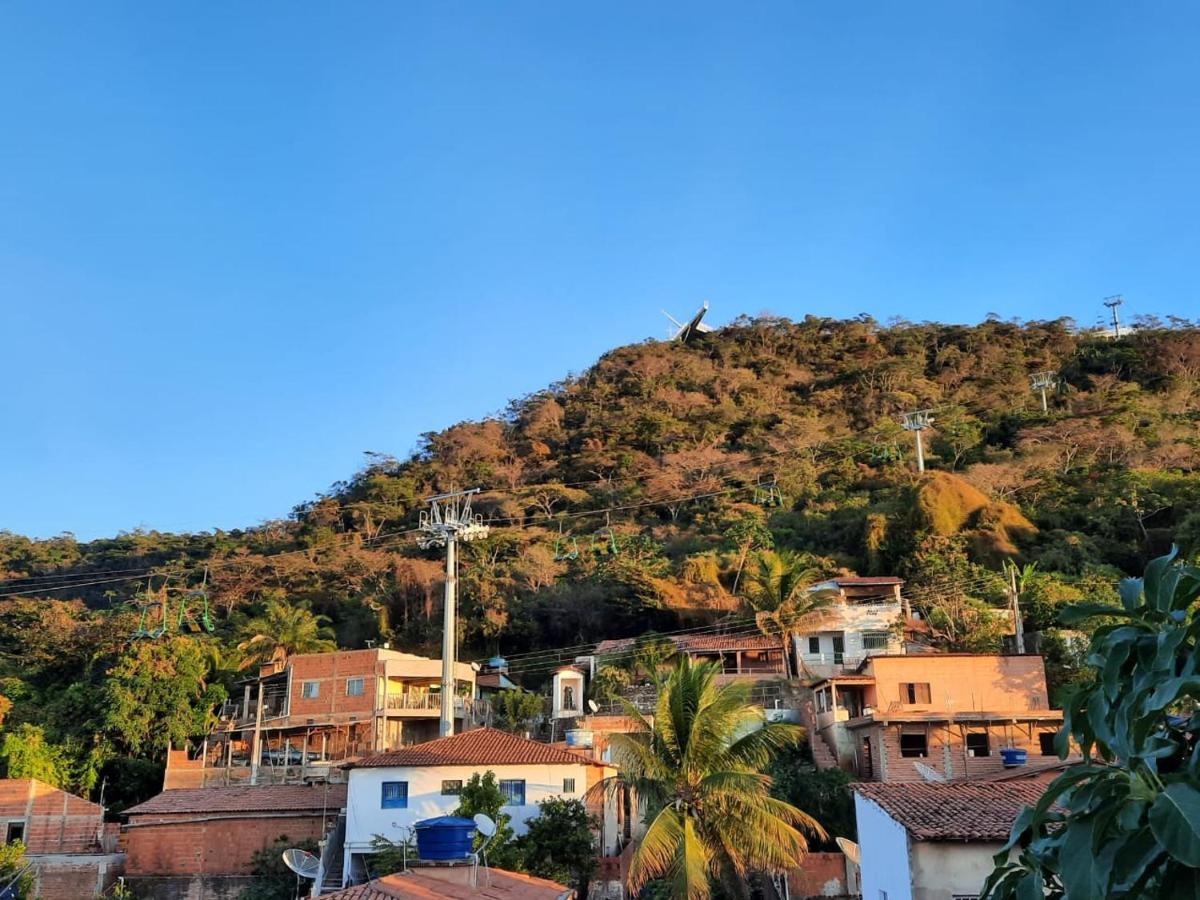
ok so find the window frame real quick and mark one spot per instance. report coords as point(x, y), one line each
point(1046, 743)
point(975, 752)
point(909, 753)
point(452, 791)
point(568, 785)
point(313, 683)
point(814, 645)
point(882, 638)
point(362, 686)
point(400, 801)
point(911, 693)
point(506, 788)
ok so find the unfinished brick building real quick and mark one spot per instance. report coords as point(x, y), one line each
point(947, 715)
point(216, 831)
point(65, 838)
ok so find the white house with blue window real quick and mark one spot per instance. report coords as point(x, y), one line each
point(388, 793)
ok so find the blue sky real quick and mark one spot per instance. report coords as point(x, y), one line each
point(240, 244)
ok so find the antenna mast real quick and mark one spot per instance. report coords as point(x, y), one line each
point(1112, 303)
point(447, 521)
point(916, 422)
point(1043, 381)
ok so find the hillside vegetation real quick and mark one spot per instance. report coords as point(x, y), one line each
point(630, 498)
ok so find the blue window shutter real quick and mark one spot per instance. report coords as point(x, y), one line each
point(395, 795)
point(514, 791)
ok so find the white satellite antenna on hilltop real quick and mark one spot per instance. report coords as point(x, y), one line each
point(685, 332)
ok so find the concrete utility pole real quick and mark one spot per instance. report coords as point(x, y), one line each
point(916, 422)
point(448, 521)
point(1044, 381)
point(1014, 594)
point(1112, 303)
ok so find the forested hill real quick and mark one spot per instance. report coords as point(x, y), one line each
point(635, 496)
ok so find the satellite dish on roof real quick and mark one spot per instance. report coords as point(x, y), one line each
point(485, 825)
point(301, 862)
point(851, 850)
point(592, 706)
point(929, 773)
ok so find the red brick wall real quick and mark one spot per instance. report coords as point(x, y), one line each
point(74, 877)
point(55, 821)
point(331, 670)
point(822, 875)
point(189, 845)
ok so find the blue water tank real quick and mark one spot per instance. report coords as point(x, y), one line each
point(1013, 756)
point(499, 663)
point(445, 837)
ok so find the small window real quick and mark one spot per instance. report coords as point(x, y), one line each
point(814, 645)
point(914, 745)
point(15, 832)
point(1046, 742)
point(875, 640)
point(513, 790)
point(395, 795)
point(914, 692)
point(310, 690)
point(568, 785)
point(978, 744)
point(452, 788)
point(354, 687)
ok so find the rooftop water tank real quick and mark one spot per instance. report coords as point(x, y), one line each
point(445, 837)
point(498, 663)
point(1013, 756)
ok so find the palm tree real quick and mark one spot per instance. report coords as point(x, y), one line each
point(281, 631)
point(778, 588)
point(698, 770)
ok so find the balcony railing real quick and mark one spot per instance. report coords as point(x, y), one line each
point(463, 706)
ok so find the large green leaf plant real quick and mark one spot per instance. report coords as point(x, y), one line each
point(1125, 822)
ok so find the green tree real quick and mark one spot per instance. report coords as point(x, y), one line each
point(283, 630)
point(157, 694)
point(560, 844)
point(25, 753)
point(699, 769)
point(823, 793)
point(12, 861)
point(515, 710)
point(1126, 821)
point(482, 794)
point(778, 588)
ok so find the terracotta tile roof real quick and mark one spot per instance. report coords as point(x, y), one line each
point(478, 747)
point(418, 885)
point(245, 798)
point(953, 811)
point(700, 642)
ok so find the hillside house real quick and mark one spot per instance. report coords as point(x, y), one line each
point(934, 841)
point(739, 656)
point(861, 621)
point(898, 718)
point(72, 851)
point(389, 792)
point(319, 709)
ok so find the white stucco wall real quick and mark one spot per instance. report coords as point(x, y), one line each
point(945, 869)
point(366, 817)
point(886, 873)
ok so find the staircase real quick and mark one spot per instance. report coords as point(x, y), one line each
point(333, 857)
point(824, 756)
